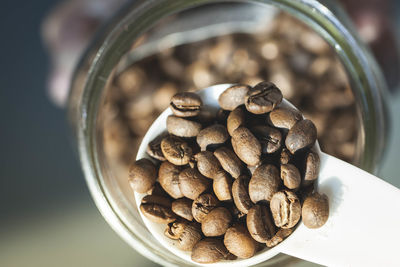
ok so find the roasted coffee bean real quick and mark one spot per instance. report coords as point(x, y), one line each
point(176, 150)
point(186, 234)
point(290, 176)
point(192, 183)
point(142, 175)
point(263, 98)
point(264, 183)
point(285, 156)
point(233, 96)
point(207, 115)
point(222, 186)
point(168, 176)
point(315, 211)
point(235, 119)
point(302, 135)
point(182, 127)
point(183, 207)
point(212, 135)
point(280, 235)
point(207, 164)
point(285, 208)
point(154, 147)
point(311, 167)
point(239, 242)
point(240, 194)
point(216, 222)
point(186, 104)
point(202, 205)
point(284, 117)
point(210, 250)
point(269, 138)
point(157, 209)
point(260, 223)
point(229, 161)
point(246, 146)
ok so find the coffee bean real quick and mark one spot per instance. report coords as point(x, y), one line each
point(311, 167)
point(260, 223)
point(263, 98)
point(154, 147)
point(210, 250)
point(168, 176)
point(192, 183)
point(183, 207)
point(315, 211)
point(285, 156)
point(238, 234)
point(264, 183)
point(235, 119)
point(246, 146)
point(240, 194)
point(229, 161)
point(186, 234)
point(222, 186)
point(186, 104)
point(176, 150)
point(302, 135)
point(280, 235)
point(284, 117)
point(182, 127)
point(207, 115)
point(233, 96)
point(157, 209)
point(202, 205)
point(269, 138)
point(207, 164)
point(290, 176)
point(212, 135)
point(142, 175)
point(216, 222)
point(285, 208)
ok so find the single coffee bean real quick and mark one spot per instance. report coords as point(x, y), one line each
point(186, 234)
point(207, 164)
point(176, 150)
point(210, 250)
point(142, 175)
point(154, 147)
point(222, 186)
point(290, 176)
point(315, 211)
point(240, 194)
point(264, 183)
point(263, 98)
point(182, 127)
point(229, 161)
point(246, 146)
point(168, 176)
point(235, 119)
point(285, 208)
point(302, 135)
point(192, 183)
point(311, 167)
point(216, 222)
point(285, 156)
point(260, 223)
point(183, 207)
point(186, 104)
point(202, 205)
point(212, 135)
point(284, 117)
point(233, 96)
point(280, 235)
point(269, 138)
point(157, 209)
point(239, 242)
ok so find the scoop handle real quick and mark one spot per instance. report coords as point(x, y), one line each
point(363, 228)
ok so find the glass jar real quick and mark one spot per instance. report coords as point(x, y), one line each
point(143, 28)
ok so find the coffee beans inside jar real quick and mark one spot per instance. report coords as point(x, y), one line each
point(224, 194)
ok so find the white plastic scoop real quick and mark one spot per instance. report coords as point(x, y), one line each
point(363, 228)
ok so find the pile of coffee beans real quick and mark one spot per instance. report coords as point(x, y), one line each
point(231, 182)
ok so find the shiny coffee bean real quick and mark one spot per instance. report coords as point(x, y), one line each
point(154, 147)
point(315, 211)
point(142, 175)
point(264, 182)
point(182, 127)
point(229, 161)
point(246, 146)
point(285, 156)
point(186, 104)
point(168, 176)
point(239, 242)
point(284, 117)
point(285, 208)
point(192, 183)
point(311, 167)
point(157, 209)
point(222, 186)
point(212, 135)
point(236, 119)
point(233, 96)
point(269, 138)
point(302, 135)
point(207, 164)
point(290, 176)
point(260, 223)
point(280, 235)
point(216, 222)
point(186, 234)
point(263, 98)
point(210, 250)
point(240, 194)
point(202, 205)
point(183, 207)
point(176, 150)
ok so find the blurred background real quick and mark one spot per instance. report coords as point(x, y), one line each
point(47, 216)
